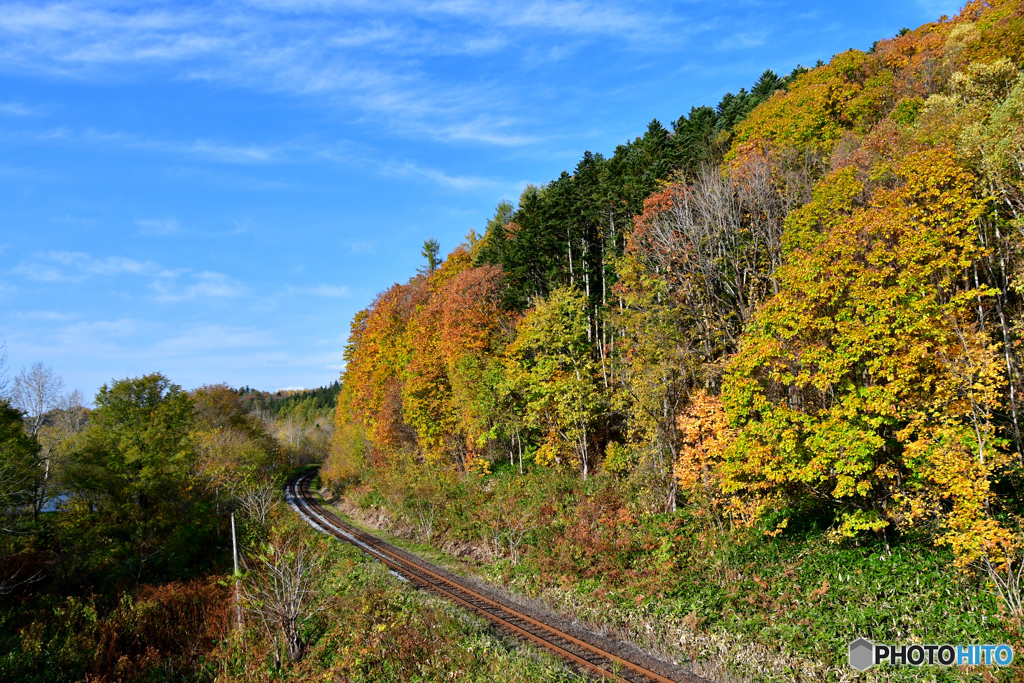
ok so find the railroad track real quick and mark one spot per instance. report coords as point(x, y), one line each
point(598, 656)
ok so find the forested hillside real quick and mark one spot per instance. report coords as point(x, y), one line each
point(301, 419)
point(781, 338)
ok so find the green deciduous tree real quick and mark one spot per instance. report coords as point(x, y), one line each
point(19, 472)
point(19, 465)
point(132, 476)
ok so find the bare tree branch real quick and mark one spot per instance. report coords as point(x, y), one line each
point(282, 590)
point(258, 499)
point(36, 391)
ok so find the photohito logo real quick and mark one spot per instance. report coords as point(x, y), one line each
point(864, 655)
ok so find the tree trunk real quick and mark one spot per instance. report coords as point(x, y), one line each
point(296, 648)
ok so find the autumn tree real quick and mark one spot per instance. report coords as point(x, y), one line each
point(866, 382)
point(474, 331)
point(984, 117)
point(237, 457)
point(376, 358)
point(427, 403)
point(659, 360)
point(717, 241)
point(552, 365)
point(453, 369)
point(704, 435)
point(347, 454)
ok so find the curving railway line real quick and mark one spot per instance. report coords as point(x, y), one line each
point(598, 656)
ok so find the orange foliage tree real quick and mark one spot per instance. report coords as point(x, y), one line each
point(451, 376)
point(376, 359)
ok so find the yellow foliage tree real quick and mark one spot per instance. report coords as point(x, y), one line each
point(866, 381)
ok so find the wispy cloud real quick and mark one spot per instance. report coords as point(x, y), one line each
point(212, 337)
point(485, 129)
point(156, 226)
point(588, 18)
point(15, 109)
point(231, 153)
point(743, 40)
point(169, 284)
point(101, 332)
point(71, 266)
point(203, 285)
point(199, 148)
point(324, 290)
point(440, 177)
point(49, 316)
point(575, 16)
point(205, 149)
point(386, 59)
point(212, 176)
point(362, 246)
point(333, 291)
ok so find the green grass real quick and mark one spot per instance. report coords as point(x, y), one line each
point(739, 605)
point(378, 629)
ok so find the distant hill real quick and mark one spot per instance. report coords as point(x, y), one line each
point(305, 404)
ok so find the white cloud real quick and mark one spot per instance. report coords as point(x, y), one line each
point(51, 316)
point(170, 285)
point(375, 57)
point(341, 292)
point(211, 338)
point(440, 177)
point(15, 109)
point(39, 272)
point(231, 153)
point(205, 149)
point(200, 148)
point(207, 284)
point(154, 226)
point(576, 17)
point(100, 331)
point(324, 290)
point(743, 40)
point(482, 129)
point(73, 266)
point(111, 265)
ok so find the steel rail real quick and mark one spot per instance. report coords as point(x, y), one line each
point(502, 614)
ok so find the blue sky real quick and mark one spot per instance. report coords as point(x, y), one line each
point(212, 190)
